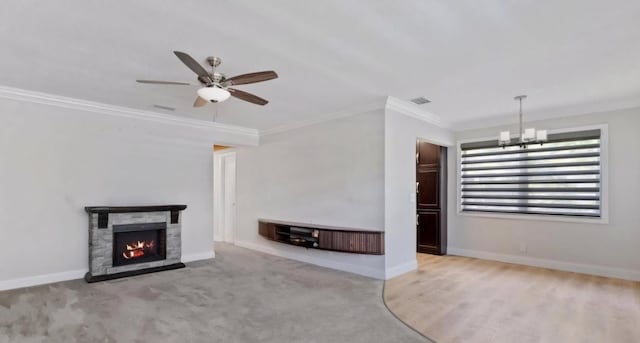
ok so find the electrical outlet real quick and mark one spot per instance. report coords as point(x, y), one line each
point(523, 248)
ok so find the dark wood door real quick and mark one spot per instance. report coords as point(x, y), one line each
point(431, 192)
point(428, 234)
point(428, 154)
point(428, 188)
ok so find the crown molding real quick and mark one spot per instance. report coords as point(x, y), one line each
point(413, 110)
point(557, 112)
point(125, 112)
point(378, 105)
point(390, 102)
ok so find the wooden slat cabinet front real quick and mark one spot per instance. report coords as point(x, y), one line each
point(357, 242)
point(338, 239)
point(267, 230)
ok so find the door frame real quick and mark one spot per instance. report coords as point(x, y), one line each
point(224, 196)
point(443, 195)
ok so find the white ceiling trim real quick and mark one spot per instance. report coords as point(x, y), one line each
point(413, 110)
point(379, 105)
point(549, 113)
point(390, 102)
point(96, 107)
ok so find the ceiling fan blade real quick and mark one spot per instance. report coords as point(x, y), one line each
point(251, 78)
point(192, 64)
point(199, 102)
point(164, 82)
point(242, 95)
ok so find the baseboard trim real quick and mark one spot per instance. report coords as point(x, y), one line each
point(401, 269)
point(77, 274)
point(42, 279)
point(626, 274)
point(198, 256)
point(345, 267)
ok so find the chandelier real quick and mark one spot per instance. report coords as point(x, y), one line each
point(527, 136)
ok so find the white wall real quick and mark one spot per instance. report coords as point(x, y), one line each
point(401, 133)
point(611, 250)
point(328, 173)
point(54, 161)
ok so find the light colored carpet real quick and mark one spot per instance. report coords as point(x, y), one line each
point(241, 296)
point(455, 299)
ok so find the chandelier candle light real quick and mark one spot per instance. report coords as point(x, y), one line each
point(527, 136)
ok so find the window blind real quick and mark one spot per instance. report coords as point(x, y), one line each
point(559, 177)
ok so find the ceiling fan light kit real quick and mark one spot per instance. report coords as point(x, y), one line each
point(213, 94)
point(527, 136)
point(216, 85)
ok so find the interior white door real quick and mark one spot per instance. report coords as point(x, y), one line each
point(218, 213)
point(229, 201)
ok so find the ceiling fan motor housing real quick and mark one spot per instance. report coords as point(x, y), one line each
point(215, 78)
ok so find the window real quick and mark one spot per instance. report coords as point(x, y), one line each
point(560, 177)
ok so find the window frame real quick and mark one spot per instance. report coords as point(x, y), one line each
point(604, 182)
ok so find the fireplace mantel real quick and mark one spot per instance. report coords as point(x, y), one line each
point(132, 209)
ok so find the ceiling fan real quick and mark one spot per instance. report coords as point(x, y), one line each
point(216, 85)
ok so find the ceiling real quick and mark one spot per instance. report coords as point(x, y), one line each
point(468, 57)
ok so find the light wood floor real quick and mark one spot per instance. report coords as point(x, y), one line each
point(459, 299)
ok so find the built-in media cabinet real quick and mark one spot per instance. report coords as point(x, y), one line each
point(323, 237)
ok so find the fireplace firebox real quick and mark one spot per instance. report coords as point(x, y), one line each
point(139, 243)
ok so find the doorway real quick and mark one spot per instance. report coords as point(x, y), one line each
point(224, 196)
point(431, 196)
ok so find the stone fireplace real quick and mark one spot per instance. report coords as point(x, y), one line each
point(132, 240)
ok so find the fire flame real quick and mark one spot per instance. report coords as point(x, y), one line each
point(136, 249)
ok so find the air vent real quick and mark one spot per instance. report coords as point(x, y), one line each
point(166, 108)
point(420, 101)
